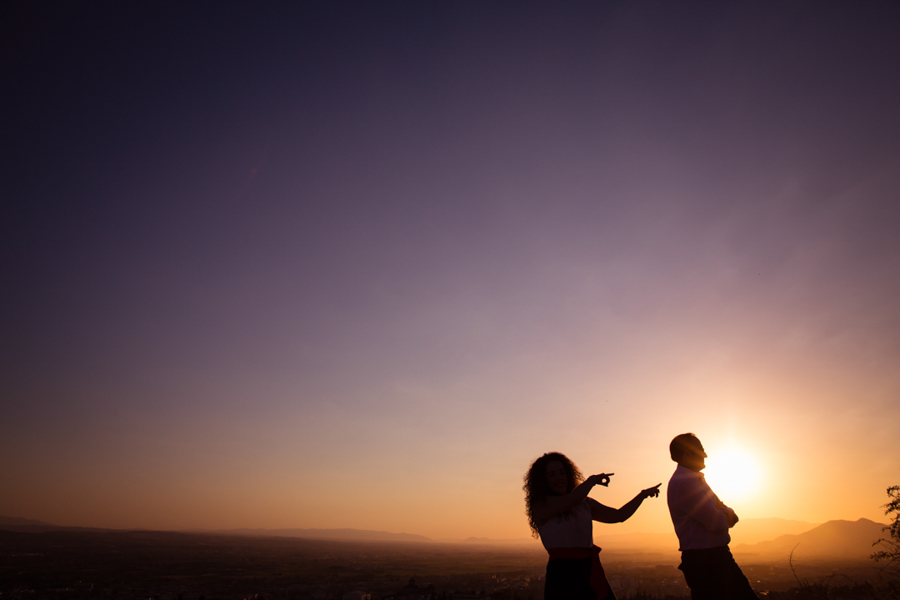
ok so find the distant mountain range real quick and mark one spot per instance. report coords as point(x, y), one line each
point(355, 535)
point(847, 540)
point(753, 531)
point(496, 541)
point(16, 522)
point(32, 526)
point(747, 531)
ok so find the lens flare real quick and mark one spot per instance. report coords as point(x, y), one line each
point(733, 474)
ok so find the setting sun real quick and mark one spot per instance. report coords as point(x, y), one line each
point(733, 473)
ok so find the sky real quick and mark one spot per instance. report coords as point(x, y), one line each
point(357, 265)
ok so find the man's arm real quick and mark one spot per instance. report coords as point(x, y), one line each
point(732, 516)
point(701, 505)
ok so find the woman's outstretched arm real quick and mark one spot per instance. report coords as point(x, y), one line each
point(607, 514)
point(555, 505)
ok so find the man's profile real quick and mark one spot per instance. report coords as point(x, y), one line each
point(701, 523)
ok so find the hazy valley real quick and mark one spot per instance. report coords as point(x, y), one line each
point(40, 560)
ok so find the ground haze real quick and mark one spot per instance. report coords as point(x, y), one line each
point(62, 564)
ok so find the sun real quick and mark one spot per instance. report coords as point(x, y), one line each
point(733, 473)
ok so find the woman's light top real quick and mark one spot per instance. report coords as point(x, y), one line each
point(572, 530)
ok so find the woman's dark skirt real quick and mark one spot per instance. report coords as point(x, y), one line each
point(570, 579)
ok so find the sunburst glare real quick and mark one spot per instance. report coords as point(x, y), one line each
point(733, 473)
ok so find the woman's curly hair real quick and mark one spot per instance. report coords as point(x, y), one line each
point(536, 487)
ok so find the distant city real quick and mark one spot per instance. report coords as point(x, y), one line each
point(41, 560)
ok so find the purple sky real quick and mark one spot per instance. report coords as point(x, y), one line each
point(260, 262)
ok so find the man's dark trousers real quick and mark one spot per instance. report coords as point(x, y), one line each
point(712, 574)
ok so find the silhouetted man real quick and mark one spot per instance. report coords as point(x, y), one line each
point(702, 522)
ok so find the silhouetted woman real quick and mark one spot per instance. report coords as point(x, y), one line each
point(559, 510)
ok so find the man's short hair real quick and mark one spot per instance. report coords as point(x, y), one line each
point(681, 443)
